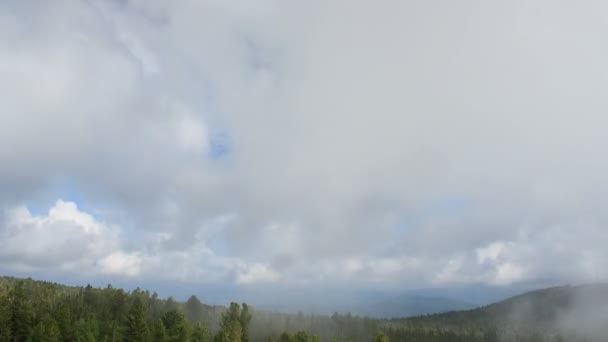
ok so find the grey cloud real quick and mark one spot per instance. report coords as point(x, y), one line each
point(346, 121)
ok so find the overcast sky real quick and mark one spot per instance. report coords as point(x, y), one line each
point(381, 144)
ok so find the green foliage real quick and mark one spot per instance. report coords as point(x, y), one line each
point(285, 337)
point(490, 336)
point(193, 310)
point(21, 313)
point(46, 330)
point(302, 336)
point(86, 331)
point(200, 333)
point(159, 332)
point(176, 326)
point(380, 337)
point(41, 311)
point(231, 332)
point(231, 328)
point(233, 314)
point(137, 328)
point(65, 321)
point(245, 319)
point(5, 316)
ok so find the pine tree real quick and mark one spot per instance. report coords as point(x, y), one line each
point(231, 329)
point(85, 331)
point(89, 300)
point(285, 337)
point(231, 332)
point(200, 333)
point(245, 319)
point(300, 336)
point(176, 325)
point(159, 333)
point(380, 337)
point(21, 315)
point(137, 328)
point(5, 318)
point(38, 333)
point(46, 330)
point(193, 310)
point(64, 320)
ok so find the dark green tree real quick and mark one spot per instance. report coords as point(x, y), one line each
point(21, 314)
point(230, 326)
point(193, 310)
point(159, 332)
point(64, 320)
point(89, 300)
point(231, 332)
point(200, 333)
point(490, 336)
point(300, 336)
point(137, 328)
point(46, 330)
point(245, 319)
point(380, 337)
point(170, 305)
point(232, 314)
point(5, 318)
point(176, 326)
point(285, 337)
point(86, 331)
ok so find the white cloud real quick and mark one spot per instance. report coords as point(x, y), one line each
point(121, 263)
point(347, 121)
point(68, 239)
point(256, 273)
point(191, 132)
point(490, 252)
point(65, 239)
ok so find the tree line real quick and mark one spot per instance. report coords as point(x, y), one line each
point(43, 311)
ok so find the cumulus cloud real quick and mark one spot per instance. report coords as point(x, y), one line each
point(394, 143)
point(64, 239)
point(67, 239)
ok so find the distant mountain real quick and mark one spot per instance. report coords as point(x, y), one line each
point(377, 303)
point(480, 294)
point(572, 311)
point(436, 300)
point(411, 305)
point(371, 304)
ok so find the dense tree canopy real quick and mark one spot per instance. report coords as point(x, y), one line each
point(41, 311)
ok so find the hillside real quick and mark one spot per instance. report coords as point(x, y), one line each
point(406, 305)
point(571, 312)
point(30, 309)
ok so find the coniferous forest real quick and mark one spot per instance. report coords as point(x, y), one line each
point(42, 311)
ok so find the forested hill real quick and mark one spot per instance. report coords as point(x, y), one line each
point(42, 311)
point(570, 313)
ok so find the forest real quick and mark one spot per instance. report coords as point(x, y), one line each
point(43, 311)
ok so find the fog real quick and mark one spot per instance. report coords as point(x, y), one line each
point(572, 313)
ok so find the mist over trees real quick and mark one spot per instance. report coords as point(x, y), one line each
point(42, 311)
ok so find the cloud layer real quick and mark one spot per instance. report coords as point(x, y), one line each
point(386, 144)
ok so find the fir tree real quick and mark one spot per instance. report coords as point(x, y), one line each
point(137, 329)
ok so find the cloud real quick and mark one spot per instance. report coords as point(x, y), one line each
point(65, 239)
point(392, 144)
point(256, 273)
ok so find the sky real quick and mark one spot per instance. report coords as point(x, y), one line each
point(327, 144)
